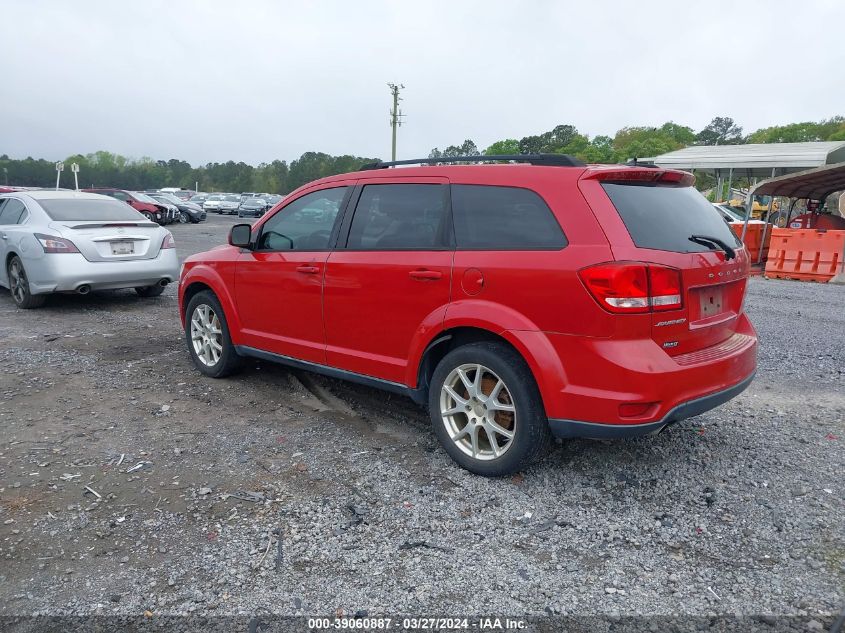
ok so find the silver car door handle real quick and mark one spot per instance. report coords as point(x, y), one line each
point(4, 236)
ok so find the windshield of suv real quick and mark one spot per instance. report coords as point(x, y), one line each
point(664, 218)
point(214, 197)
point(233, 198)
point(88, 210)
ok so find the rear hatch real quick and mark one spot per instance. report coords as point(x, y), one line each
point(697, 268)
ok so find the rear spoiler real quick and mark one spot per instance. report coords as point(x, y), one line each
point(672, 177)
point(109, 225)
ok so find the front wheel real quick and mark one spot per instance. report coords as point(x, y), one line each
point(184, 218)
point(486, 410)
point(19, 286)
point(207, 335)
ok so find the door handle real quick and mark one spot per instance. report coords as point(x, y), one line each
point(425, 275)
point(4, 236)
point(308, 270)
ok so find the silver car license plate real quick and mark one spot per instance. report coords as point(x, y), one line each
point(122, 248)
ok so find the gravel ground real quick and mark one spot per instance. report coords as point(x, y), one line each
point(131, 483)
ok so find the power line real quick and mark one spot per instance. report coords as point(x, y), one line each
point(395, 115)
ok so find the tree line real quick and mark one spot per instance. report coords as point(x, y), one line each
point(641, 142)
point(105, 169)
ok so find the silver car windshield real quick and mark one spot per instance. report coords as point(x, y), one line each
point(89, 210)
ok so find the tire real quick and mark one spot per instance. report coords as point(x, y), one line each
point(149, 216)
point(228, 361)
point(19, 286)
point(184, 218)
point(523, 415)
point(149, 291)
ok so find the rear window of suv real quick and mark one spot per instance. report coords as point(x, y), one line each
point(490, 217)
point(663, 218)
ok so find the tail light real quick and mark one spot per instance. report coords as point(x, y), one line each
point(633, 287)
point(53, 244)
point(664, 287)
point(168, 241)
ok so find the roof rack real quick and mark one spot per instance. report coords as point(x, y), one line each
point(551, 160)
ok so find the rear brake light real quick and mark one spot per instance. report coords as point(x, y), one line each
point(633, 287)
point(679, 178)
point(53, 244)
point(168, 241)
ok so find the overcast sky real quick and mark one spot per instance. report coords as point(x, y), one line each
point(256, 80)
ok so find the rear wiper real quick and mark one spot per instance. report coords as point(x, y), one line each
point(706, 240)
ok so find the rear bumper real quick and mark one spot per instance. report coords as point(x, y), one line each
point(588, 384)
point(67, 272)
point(575, 428)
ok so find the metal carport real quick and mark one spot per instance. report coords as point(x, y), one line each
point(812, 184)
point(756, 160)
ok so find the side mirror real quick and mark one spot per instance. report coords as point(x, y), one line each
point(241, 236)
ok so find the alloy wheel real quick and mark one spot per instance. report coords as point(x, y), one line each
point(17, 281)
point(478, 411)
point(206, 335)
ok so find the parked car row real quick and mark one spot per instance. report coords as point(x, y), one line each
point(244, 205)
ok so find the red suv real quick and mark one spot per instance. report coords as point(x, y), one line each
point(518, 301)
point(150, 210)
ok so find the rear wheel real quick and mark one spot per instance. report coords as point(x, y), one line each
point(486, 410)
point(207, 335)
point(19, 286)
point(149, 291)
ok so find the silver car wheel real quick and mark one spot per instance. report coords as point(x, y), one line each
point(17, 281)
point(206, 335)
point(478, 412)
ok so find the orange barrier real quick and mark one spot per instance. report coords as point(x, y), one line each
point(753, 237)
point(806, 254)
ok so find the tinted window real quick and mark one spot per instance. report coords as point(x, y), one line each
point(663, 218)
point(305, 224)
point(503, 218)
point(89, 210)
point(398, 216)
point(12, 212)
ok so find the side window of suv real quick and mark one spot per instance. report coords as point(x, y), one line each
point(305, 224)
point(397, 217)
point(503, 218)
point(13, 212)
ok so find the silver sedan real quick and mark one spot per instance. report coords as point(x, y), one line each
point(66, 241)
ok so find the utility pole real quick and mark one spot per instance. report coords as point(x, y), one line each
point(395, 115)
